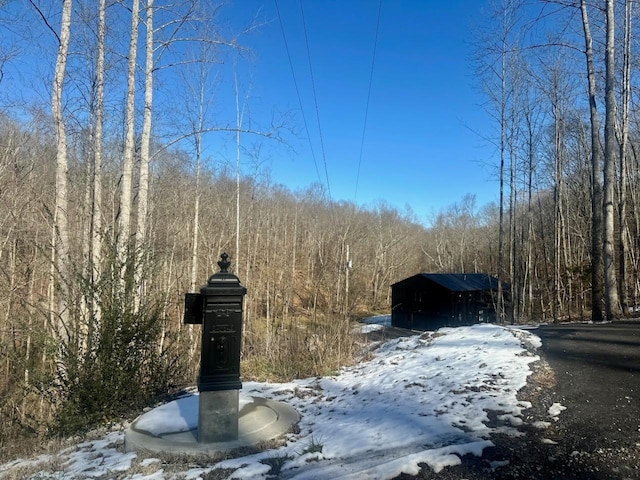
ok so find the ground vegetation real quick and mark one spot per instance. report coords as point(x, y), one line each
point(110, 211)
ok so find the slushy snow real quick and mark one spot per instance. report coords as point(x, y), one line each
point(419, 399)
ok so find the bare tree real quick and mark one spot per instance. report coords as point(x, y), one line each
point(498, 68)
point(612, 302)
point(145, 156)
point(597, 287)
point(95, 262)
point(124, 213)
point(61, 225)
point(531, 137)
point(196, 106)
point(239, 120)
point(623, 227)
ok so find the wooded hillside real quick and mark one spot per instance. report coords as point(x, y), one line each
point(110, 212)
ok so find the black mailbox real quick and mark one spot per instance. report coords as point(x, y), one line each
point(218, 308)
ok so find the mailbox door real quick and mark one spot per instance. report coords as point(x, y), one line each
point(221, 337)
point(193, 308)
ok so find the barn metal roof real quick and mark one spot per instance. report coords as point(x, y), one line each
point(461, 282)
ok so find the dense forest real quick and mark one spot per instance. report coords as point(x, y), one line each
point(110, 212)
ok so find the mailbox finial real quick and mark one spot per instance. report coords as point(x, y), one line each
point(224, 263)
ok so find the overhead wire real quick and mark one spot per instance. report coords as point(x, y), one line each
point(366, 112)
point(315, 100)
point(295, 82)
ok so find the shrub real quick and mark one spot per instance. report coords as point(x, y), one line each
point(121, 370)
point(119, 358)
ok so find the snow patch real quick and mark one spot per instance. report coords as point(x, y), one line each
point(556, 409)
point(421, 399)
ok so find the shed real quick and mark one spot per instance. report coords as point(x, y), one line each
point(428, 301)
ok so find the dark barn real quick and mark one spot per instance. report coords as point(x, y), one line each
point(428, 301)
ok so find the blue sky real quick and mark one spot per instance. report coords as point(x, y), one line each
point(423, 144)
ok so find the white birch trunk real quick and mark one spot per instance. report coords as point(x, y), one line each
point(623, 226)
point(61, 228)
point(145, 147)
point(96, 211)
point(124, 214)
point(199, 126)
point(612, 301)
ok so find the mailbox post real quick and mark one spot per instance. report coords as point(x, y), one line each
point(218, 308)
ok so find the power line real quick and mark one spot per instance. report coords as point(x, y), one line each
point(366, 112)
point(295, 82)
point(315, 100)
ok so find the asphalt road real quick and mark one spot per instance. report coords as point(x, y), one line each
point(597, 369)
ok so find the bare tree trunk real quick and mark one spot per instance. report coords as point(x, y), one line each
point(198, 127)
point(597, 287)
point(612, 302)
point(500, 299)
point(145, 146)
point(239, 120)
point(513, 208)
point(238, 125)
point(623, 244)
point(196, 204)
point(30, 316)
point(634, 233)
point(528, 274)
point(506, 27)
point(124, 214)
point(96, 210)
point(294, 262)
point(61, 226)
point(557, 207)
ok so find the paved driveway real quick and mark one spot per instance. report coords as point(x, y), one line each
point(597, 369)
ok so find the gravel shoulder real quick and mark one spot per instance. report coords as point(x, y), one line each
point(593, 371)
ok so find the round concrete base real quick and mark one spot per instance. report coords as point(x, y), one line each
point(259, 420)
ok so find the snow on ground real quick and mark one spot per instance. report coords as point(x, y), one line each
point(556, 409)
point(420, 399)
point(371, 324)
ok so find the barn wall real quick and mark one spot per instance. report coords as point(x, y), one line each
point(421, 304)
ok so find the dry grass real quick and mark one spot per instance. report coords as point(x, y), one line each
point(34, 447)
point(543, 376)
point(38, 467)
point(299, 348)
